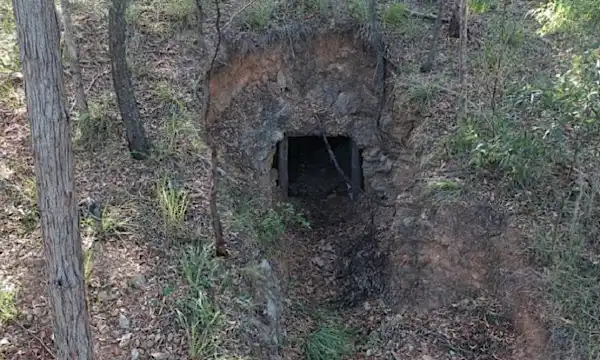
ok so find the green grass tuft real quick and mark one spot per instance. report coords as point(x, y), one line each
point(260, 13)
point(8, 309)
point(395, 16)
point(198, 313)
point(330, 342)
point(173, 203)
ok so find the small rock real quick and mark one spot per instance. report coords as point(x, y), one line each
point(318, 261)
point(170, 337)
point(123, 322)
point(135, 354)
point(125, 340)
point(138, 282)
point(103, 296)
point(159, 355)
point(426, 357)
point(4, 341)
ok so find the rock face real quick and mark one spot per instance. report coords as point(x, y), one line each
point(325, 85)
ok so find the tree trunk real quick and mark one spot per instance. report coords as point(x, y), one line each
point(80, 98)
point(462, 60)
point(220, 242)
point(454, 25)
point(139, 145)
point(428, 64)
point(38, 34)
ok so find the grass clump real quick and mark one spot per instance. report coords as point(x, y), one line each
point(328, 342)
point(395, 16)
point(499, 146)
point(179, 9)
point(173, 203)
point(266, 226)
point(260, 13)
point(94, 129)
point(322, 7)
point(569, 255)
point(359, 10)
point(8, 309)
point(110, 221)
point(198, 312)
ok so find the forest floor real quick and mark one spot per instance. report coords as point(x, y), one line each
point(154, 289)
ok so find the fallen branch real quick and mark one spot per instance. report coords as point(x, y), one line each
point(238, 12)
point(427, 16)
point(341, 171)
point(37, 338)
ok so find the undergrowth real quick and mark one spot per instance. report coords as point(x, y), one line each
point(198, 312)
point(329, 342)
point(8, 309)
point(9, 58)
point(173, 202)
point(542, 138)
point(265, 227)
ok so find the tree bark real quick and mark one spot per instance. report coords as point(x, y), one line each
point(454, 26)
point(220, 243)
point(139, 145)
point(80, 98)
point(39, 37)
point(428, 64)
point(462, 60)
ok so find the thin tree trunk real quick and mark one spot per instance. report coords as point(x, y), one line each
point(139, 145)
point(462, 60)
point(80, 97)
point(428, 64)
point(200, 18)
point(38, 34)
point(220, 243)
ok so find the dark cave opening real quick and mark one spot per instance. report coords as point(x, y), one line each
point(309, 171)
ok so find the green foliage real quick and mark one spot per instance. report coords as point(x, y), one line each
point(9, 50)
point(93, 130)
point(112, 221)
point(573, 275)
point(480, 6)
point(329, 342)
point(198, 313)
point(275, 221)
point(359, 10)
point(421, 96)
point(500, 145)
point(9, 57)
point(394, 16)
point(260, 13)
point(567, 16)
point(179, 9)
point(8, 309)
point(266, 226)
point(315, 6)
point(173, 203)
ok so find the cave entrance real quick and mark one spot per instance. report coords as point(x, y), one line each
point(305, 167)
